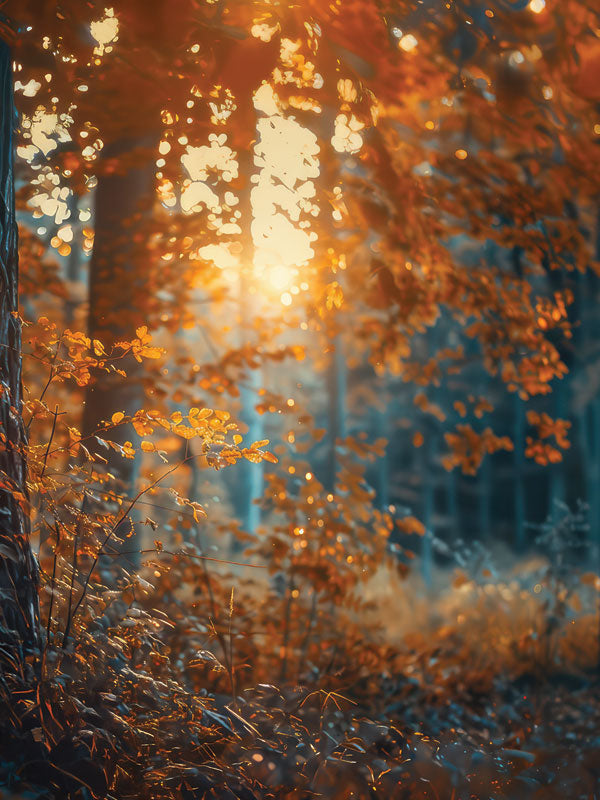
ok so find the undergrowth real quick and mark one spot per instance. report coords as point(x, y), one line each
point(187, 677)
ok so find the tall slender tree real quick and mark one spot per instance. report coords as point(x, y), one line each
point(18, 568)
point(118, 259)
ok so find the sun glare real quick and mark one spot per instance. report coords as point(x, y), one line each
point(286, 155)
point(282, 197)
point(105, 31)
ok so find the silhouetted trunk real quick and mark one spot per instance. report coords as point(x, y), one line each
point(383, 463)
point(451, 487)
point(519, 457)
point(19, 630)
point(594, 472)
point(557, 489)
point(485, 484)
point(594, 468)
point(484, 500)
point(336, 395)
point(73, 270)
point(118, 291)
point(426, 454)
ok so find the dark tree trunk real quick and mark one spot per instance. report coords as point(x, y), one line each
point(19, 610)
point(383, 464)
point(119, 294)
point(118, 299)
point(519, 459)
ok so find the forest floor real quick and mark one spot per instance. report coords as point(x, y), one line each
point(485, 690)
point(523, 739)
point(493, 694)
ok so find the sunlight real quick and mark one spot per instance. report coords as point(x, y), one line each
point(199, 163)
point(282, 198)
point(105, 31)
point(537, 6)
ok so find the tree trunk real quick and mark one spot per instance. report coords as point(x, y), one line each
point(427, 460)
point(19, 609)
point(251, 476)
point(557, 492)
point(519, 478)
point(383, 463)
point(118, 293)
point(336, 390)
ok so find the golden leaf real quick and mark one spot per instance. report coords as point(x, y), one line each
point(151, 352)
point(128, 450)
point(184, 431)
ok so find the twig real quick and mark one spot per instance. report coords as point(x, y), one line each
point(52, 580)
point(70, 614)
point(49, 442)
point(231, 665)
point(181, 554)
point(213, 608)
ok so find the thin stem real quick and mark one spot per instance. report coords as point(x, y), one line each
point(182, 555)
point(213, 609)
point(55, 416)
point(231, 665)
point(74, 566)
point(113, 530)
point(53, 579)
point(286, 630)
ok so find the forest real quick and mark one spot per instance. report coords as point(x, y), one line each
point(299, 400)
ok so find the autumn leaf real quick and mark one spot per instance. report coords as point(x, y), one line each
point(128, 450)
point(411, 525)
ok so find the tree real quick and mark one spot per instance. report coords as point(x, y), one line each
point(120, 258)
point(19, 632)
